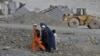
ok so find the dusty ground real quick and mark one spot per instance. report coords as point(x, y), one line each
point(17, 40)
point(16, 33)
point(16, 37)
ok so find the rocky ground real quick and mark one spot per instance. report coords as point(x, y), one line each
point(17, 42)
point(16, 35)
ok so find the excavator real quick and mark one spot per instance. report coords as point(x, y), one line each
point(81, 18)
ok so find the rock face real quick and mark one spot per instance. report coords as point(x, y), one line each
point(91, 5)
point(57, 11)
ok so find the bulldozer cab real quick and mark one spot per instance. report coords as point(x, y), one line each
point(81, 18)
point(81, 11)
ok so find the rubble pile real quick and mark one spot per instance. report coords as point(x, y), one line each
point(33, 17)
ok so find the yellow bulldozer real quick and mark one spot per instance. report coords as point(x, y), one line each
point(81, 18)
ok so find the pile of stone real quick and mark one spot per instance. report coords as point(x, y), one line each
point(33, 17)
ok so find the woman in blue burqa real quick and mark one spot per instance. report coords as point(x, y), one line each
point(48, 38)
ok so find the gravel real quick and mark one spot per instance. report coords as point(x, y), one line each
point(18, 41)
point(33, 17)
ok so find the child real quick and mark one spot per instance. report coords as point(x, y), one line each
point(36, 40)
point(56, 38)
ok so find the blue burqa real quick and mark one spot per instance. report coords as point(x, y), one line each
point(50, 36)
